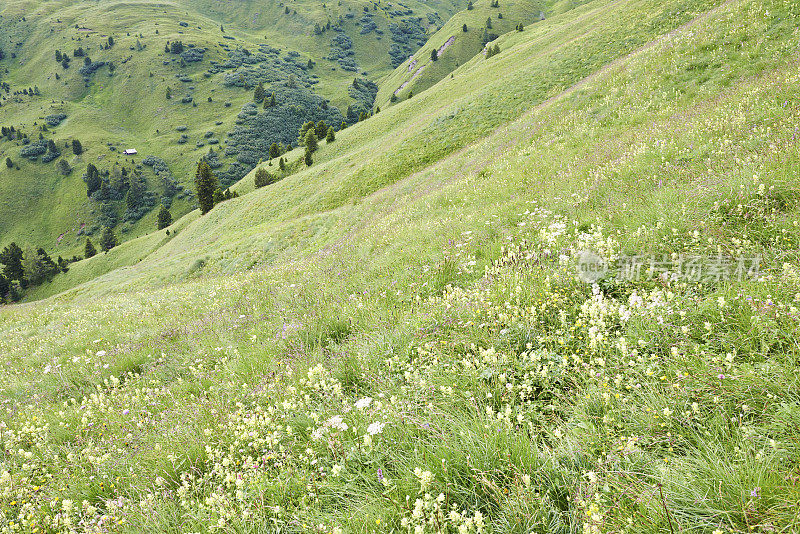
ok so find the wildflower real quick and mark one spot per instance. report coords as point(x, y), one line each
point(375, 428)
point(364, 403)
point(380, 474)
point(425, 478)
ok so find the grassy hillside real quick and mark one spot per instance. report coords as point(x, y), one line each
point(109, 111)
point(394, 339)
point(455, 46)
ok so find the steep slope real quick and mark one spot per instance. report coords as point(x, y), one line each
point(455, 46)
point(396, 142)
point(119, 100)
point(422, 333)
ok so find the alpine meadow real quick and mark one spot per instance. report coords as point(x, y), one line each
point(418, 266)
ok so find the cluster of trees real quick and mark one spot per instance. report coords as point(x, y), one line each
point(108, 188)
point(29, 268)
point(264, 177)
point(64, 58)
point(309, 137)
point(175, 47)
point(492, 51)
point(108, 240)
point(209, 194)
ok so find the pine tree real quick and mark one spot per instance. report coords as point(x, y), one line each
point(310, 141)
point(434, 55)
point(263, 177)
point(489, 23)
point(92, 179)
point(308, 160)
point(4, 289)
point(164, 217)
point(282, 165)
point(11, 258)
point(218, 196)
point(63, 167)
point(88, 249)
point(274, 151)
point(133, 200)
point(9, 163)
point(108, 240)
point(470, 6)
point(330, 137)
point(321, 129)
point(464, 28)
point(206, 183)
point(259, 93)
point(169, 93)
point(77, 148)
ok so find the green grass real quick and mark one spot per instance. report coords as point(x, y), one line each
point(129, 108)
point(435, 278)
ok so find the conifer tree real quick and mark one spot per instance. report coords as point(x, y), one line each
point(205, 183)
point(93, 180)
point(311, 141)
point(321, 129)
point(308, 160)
point(11, 258)
point(434, 55)
point(282, 165)
point(9, 163)
point(4, 289)
point(88, 249)
point(164, 217)
point(108, 240)
point(77, 148)
point(464, 28)
point(133, 200)
point(263, 177)
point(274, 151)
point(259, 93)
point(330, 137)
point(218, 196)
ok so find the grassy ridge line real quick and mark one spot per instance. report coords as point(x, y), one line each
point(373, 149)
point(129, 108)
point(465, 46)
